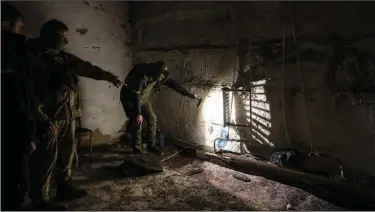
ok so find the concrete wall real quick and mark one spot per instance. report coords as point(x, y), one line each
point(98, 33)
point(199, 40)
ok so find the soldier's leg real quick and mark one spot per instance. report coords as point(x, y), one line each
point(129, 111)
point(126, 136)
point(65, 156)
point(150, 117)
point(134, 129)
point(42, 164)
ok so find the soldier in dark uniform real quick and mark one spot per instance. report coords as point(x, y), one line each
point(56, 76)
point(142, 80)
point(18, 124)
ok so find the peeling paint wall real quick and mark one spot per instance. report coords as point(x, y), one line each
point(204, 42)
point(99, 33)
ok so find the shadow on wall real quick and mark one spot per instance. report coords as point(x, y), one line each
point(258, 113)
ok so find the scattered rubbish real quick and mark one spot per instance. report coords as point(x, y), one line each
point(286, 158)
point(169, 157)
point(242, 177)
point(129, 169)
point(289, 207)
point(196, 164)
point(148, 161)
point(194, 171)
point(256, 157)
point(140, 165)
point(120, 148)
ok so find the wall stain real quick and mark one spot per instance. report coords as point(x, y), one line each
point(99, 137)
point(101, 7)
point(82, 31)
point(113, 35)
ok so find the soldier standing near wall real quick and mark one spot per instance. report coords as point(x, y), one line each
point(135, 93)
point(56, 81)
point(17, 106)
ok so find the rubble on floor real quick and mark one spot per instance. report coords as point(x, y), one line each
point(212, 188)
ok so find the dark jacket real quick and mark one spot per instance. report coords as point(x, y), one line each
point(56, 77)
point(137, 88)
point(17, 96)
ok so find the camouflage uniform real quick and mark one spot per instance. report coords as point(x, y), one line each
point(135, 100)
point(56, 77)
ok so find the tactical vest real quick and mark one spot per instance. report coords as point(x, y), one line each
point(132, 80)
point(61, 101)
point(150, 86)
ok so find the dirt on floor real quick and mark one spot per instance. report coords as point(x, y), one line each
point(187, 183)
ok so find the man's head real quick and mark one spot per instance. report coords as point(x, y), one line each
point(156, 69)
point(54, 34)
point(11, 19)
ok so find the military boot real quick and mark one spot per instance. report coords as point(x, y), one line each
point(67, 191)
point(140, 148)
point(155, 149)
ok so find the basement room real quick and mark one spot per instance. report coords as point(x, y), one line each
point(184, 106)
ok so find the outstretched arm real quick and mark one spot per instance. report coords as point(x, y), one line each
point(178, 88)
point(86, 69)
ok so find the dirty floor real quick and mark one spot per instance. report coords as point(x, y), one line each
point(213, 189)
